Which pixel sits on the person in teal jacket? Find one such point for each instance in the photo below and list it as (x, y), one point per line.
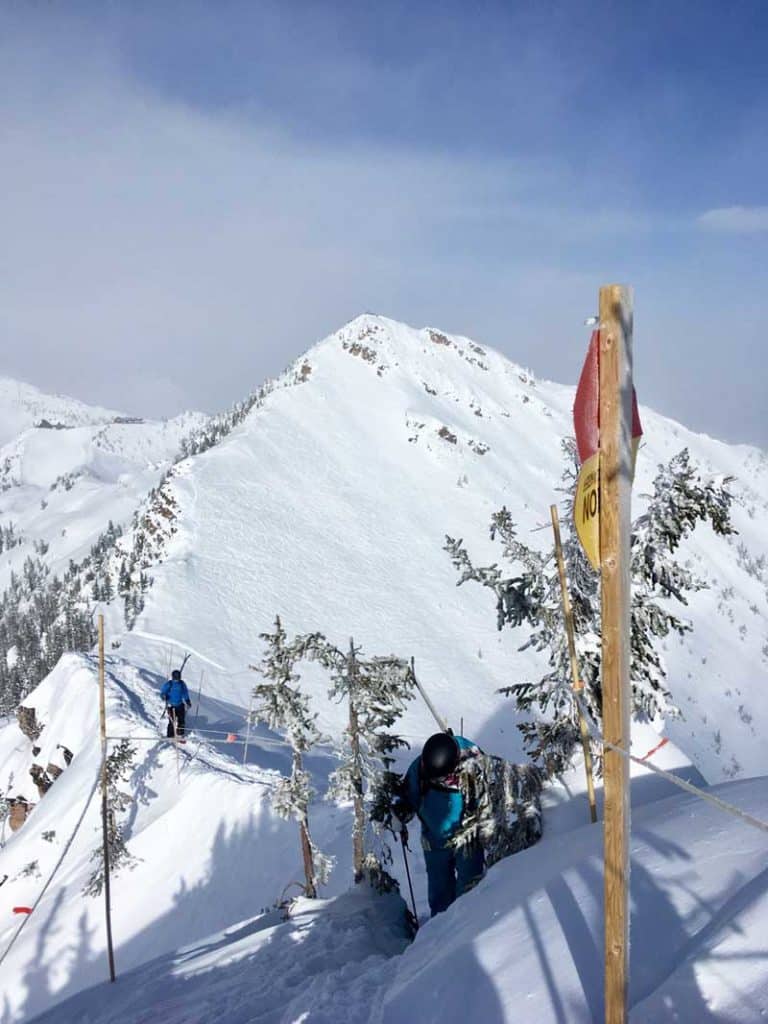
(431, 791)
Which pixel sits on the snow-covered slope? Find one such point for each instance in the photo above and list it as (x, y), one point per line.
(329, 506)
(61, 485)
(23, 406)
(525, 946)
(208, 850)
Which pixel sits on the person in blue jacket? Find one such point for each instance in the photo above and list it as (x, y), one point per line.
(431, 791)
(176, 697)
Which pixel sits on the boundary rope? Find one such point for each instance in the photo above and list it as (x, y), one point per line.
(56, 867)
(722, 805)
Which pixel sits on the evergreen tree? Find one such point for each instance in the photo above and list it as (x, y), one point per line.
(377, 690)
(530, 597)
(119, 765)
(502, 806)
(284, 708)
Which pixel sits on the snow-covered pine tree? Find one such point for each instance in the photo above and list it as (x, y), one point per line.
(682, 498)
(280, 704)
(502, 806)
(377, 690)
(119, 765)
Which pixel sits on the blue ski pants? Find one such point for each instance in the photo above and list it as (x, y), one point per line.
(450, 873)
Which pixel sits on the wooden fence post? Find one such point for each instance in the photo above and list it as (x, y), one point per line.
(104, 810)
(576, 682)
(615, 595)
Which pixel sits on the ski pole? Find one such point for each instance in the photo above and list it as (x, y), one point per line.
(410, 883)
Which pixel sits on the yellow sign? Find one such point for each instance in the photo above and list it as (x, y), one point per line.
(586, 509)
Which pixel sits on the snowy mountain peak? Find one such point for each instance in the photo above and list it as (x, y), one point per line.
(384, 343)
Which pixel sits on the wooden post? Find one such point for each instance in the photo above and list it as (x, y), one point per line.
(576, 682)
(358, 827)
(615, 525)
(104, 811)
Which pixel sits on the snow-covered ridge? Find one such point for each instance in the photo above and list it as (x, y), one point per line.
(328, 503)
(67, 488)
(23, 406)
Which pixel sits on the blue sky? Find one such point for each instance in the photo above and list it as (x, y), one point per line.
(195, 192)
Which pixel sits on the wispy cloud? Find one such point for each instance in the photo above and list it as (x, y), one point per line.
(173, 233)
(736, 220)
(150, 237)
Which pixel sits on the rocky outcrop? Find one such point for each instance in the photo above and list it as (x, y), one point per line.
(19, 811)
(66, 752)
(41, 779)
(28, 723)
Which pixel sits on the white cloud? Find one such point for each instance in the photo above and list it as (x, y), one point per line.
(736, 220)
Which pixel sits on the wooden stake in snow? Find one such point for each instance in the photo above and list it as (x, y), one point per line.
(358, 828)
(615, 490)
(104, 814)
(575, 679)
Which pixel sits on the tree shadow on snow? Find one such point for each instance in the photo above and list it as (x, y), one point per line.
(664, 941)
(239, 863)
(661, 939)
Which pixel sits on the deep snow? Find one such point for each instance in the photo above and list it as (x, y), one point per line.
(524, 946)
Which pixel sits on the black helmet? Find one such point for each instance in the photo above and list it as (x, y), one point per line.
(439, 756)
(175, 674)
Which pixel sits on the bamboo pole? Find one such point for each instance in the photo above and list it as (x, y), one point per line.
(576, 682)
(438, 718)
(615, 492)
(248, 729)
(199, 694)
(104, 811)
(358, 827)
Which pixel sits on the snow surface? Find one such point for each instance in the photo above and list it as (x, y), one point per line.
(242, 857)
(61, 487)
(23, 405)
(524, 946)
(327, 962)
(329, 506)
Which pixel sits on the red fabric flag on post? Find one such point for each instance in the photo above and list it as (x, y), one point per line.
(586, 424)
